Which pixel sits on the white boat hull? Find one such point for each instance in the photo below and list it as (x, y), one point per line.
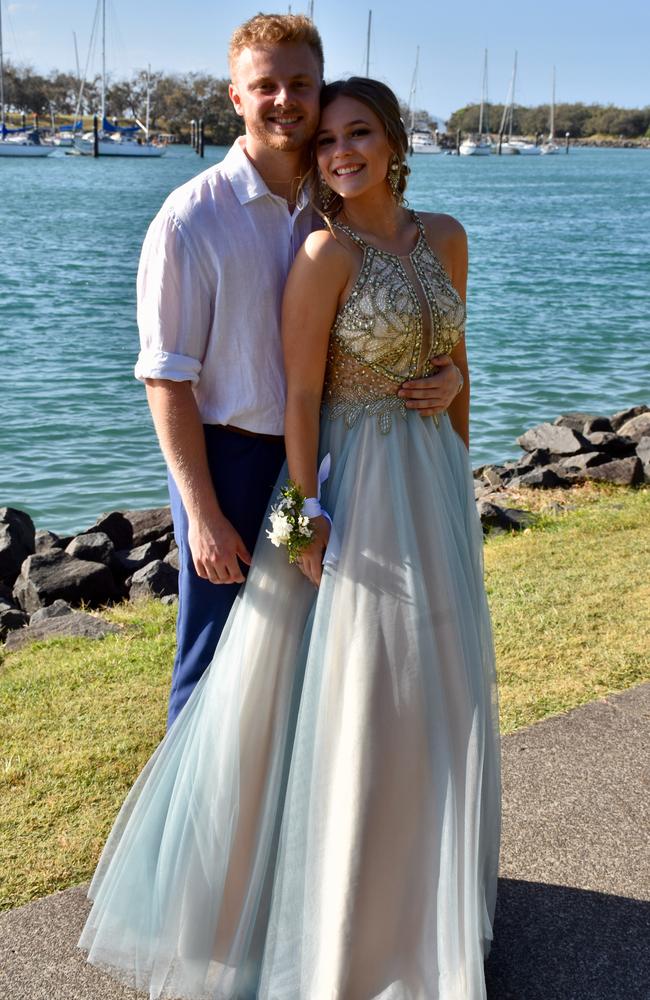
(422, 141)
(471, 149)
(550, 149)
(109, 147)
(520, 149)
(9, 148)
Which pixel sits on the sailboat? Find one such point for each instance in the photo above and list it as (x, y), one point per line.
(518, 147)
(420, 138)
(479, 145)
(112, 139)
(550, 147)
(16, 142)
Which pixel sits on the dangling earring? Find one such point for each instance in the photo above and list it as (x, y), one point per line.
(326, 196)
(394, 176)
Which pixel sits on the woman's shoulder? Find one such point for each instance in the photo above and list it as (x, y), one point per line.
(321, 263)
(322, 242)
(325, 250)
(445, 228)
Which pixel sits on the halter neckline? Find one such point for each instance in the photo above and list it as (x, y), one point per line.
(356, 238)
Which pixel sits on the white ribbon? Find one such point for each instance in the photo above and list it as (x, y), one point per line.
(312, 508)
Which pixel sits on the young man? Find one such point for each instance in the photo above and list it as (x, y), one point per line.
(212, 272)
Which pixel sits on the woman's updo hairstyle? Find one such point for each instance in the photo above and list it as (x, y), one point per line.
(382, 101)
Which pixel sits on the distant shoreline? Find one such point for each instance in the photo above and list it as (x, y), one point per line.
(609, 142)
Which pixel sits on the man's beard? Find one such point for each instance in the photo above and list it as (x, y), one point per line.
(290, 143)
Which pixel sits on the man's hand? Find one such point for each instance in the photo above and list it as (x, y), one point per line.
(216, 550)
(433, 394)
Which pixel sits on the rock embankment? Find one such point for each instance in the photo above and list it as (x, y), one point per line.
(575, 448)
(133, 554)
(44, 576)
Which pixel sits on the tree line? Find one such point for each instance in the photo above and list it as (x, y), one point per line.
(176, 98)
(579, 120)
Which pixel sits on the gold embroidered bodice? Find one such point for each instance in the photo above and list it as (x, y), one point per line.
(401, 313)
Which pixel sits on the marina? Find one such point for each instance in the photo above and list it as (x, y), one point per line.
(557, 309)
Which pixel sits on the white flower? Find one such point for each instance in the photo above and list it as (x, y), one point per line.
(281, 527)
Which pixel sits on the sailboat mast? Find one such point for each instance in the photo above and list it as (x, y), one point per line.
(2, 80)
(368, 43)
(512, 99)
(483, 94)
(103, 108)
(551, 137)
(76, 57)
(414, 85)
(146, 121)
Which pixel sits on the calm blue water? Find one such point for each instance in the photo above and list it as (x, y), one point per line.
(559, 305)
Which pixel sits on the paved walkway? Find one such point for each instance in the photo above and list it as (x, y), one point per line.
(573, 913)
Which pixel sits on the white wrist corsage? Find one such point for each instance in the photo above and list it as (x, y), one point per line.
(291, 516)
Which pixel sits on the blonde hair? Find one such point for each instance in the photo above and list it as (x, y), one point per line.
(276, 29)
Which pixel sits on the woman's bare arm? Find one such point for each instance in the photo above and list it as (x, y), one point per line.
(311, 297)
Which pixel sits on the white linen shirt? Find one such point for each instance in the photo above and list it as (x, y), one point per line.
(212, 272)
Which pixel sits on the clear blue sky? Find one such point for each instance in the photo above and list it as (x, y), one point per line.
(600, 47)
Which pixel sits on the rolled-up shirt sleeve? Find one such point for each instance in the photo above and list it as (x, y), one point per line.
(174, 304)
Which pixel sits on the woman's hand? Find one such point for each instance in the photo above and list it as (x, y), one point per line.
(310, 562)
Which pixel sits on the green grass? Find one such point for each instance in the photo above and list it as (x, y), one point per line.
(79, 719)
(570, 602)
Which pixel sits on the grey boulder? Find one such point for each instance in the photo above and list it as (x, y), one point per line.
(116, 526)
(56, 610)
(149, 524)
(584, 460)
(157, 579)
(616, 445)
(493, 517)
(495, 476)
(618, 419)
(77, 625)
(534, 459)
(128, 561)
(547, 478)
(578, 421)
(491, 514)
(643, 453)
(555, 439)
(172, 558)
(518, 519)
(10, 618)
(51, 575)
(17, 535)
(45, 541)
(621, 472)
(94, 546)
(637, 427)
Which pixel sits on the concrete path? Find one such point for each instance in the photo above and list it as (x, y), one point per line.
(573, 913)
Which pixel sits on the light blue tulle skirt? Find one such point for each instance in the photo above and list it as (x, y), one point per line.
(322, 820)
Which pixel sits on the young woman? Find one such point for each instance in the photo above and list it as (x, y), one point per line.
(322, 821)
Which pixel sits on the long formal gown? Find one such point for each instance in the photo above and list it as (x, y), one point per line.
(322, 820)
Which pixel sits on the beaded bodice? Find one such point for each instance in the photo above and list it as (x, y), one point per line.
(401, 313)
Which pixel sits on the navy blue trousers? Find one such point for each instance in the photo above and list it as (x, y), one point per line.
(244, 471)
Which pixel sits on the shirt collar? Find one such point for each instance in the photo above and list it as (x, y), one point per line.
(246, 182)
